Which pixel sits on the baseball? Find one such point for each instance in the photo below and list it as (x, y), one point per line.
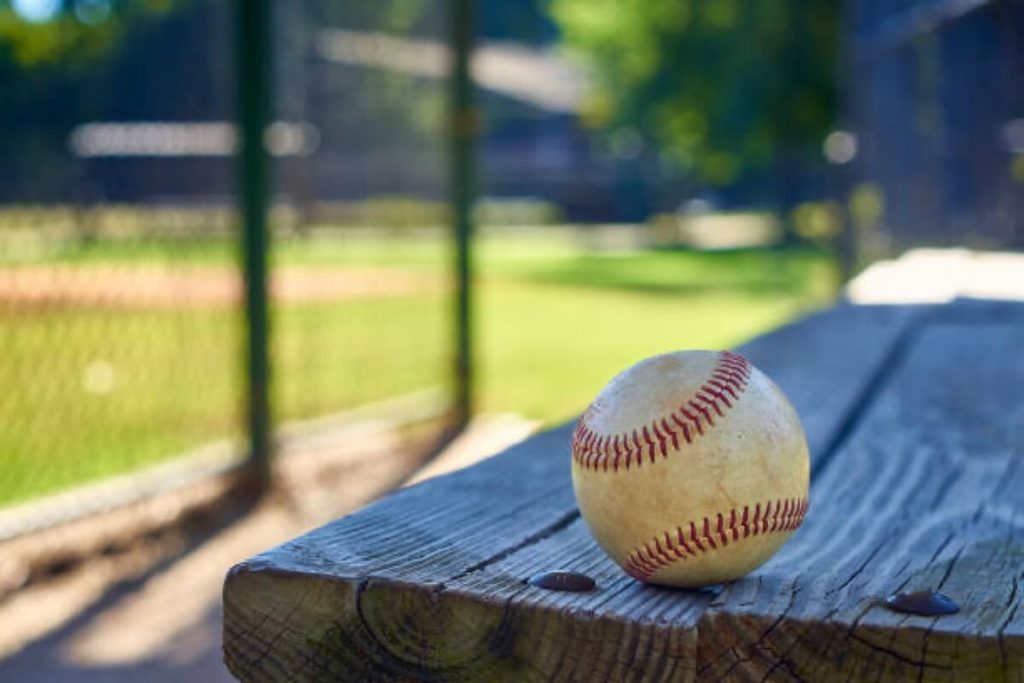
(691, 468)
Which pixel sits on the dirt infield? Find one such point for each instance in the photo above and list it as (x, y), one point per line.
(158, 286)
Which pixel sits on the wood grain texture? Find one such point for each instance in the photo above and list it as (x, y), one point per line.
(429, 583)
(927, 494)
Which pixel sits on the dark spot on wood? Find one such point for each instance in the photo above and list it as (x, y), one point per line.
(925, 603)
(563, 581)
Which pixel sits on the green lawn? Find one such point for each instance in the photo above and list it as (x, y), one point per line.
(89, 392)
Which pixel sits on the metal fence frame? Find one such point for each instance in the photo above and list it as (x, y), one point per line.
(254, 59)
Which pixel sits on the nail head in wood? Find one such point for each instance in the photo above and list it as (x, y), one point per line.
(573, 582)
(924, 603)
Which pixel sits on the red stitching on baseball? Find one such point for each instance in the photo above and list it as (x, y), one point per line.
(649, 558)
(608, 452)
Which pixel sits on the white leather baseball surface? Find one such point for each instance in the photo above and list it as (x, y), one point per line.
(691, 468)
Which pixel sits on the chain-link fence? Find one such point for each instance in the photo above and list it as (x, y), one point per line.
(121, 250)
(120, 283)
(118, 290)
(368, 202)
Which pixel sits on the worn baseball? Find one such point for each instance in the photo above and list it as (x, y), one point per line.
(691, 468)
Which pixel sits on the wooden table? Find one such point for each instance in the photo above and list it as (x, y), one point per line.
(915, 418)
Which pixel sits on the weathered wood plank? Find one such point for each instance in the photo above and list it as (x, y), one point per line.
(311, 595)
(927, 494)
(429, 583)
(830, 364)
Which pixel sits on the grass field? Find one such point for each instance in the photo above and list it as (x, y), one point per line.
(98, 388)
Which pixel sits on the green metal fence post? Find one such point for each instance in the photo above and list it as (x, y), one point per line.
(253, 74)
(463, 130)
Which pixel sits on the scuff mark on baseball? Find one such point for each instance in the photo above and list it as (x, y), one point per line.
(691, 468)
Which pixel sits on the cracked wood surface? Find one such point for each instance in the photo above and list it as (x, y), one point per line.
(926, 494)
(913, 417)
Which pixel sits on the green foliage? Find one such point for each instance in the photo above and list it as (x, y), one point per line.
(74, 38)
(31, 45)
(722, 87)
(818, 222)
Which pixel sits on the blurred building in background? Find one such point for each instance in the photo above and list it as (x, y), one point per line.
(936, 102)
(929, 97)
(364, 91)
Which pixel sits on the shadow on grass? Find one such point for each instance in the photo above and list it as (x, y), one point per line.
(686, 273)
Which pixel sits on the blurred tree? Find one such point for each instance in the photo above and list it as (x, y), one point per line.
(41, 33)
(726, 91)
